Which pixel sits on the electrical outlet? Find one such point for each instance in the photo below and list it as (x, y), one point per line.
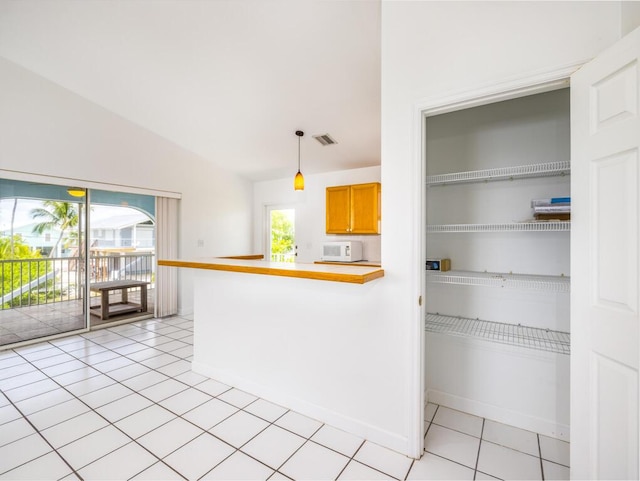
(200, 243)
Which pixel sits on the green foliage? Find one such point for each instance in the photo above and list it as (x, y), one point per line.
(14, 274)
(56, 214)
(20, 248)
(282, 233)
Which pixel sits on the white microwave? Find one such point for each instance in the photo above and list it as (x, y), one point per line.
(344, 251)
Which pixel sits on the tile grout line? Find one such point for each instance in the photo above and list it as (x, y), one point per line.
(409, 470)
(76, 331)
(455, 430)
(271, 423)
(244, 444)
(431, 423)
(97, 343)
(488, 441)
(461, 432)
(178, 415)
(540, 457)
(299, 448)
(161, 460)
(134, 440)
(37, 431)
(157, 403)
(87, 365)
(450, 460)
(42, 436)
(475, 469)
(351, 458)
(97, 413)
(213, 397)
(285, 429)
(307, 440)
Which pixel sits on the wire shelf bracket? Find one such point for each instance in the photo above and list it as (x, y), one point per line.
(512, 334)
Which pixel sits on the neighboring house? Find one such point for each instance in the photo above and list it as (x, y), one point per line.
(108, 230)
(123, 231)
(44, 242)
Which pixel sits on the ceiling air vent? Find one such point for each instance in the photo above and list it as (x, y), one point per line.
(325, 139)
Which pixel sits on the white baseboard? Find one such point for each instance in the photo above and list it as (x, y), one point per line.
(500, 414)
(185, 311)
(354, 426)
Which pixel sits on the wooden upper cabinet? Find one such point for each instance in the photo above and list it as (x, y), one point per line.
(338, 210)
(353, 209)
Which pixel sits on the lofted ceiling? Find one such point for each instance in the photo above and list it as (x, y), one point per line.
(230, 80)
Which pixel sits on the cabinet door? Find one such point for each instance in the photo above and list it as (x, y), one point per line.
(605, 267)
(338, 209)
(365, 208)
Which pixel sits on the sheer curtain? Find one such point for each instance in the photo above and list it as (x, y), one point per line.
(166, 248)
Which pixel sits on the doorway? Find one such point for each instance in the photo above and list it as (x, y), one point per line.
(42, 260)
(281, 234)
(58, 243)
(429, 388)
(122, 251)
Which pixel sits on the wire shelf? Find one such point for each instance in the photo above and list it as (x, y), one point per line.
(511, 334)
(497, 279)
(552, 226)
(547, 169)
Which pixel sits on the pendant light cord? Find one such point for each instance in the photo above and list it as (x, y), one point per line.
(298, 153)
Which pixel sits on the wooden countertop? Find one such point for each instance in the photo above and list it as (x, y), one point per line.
(322, 272)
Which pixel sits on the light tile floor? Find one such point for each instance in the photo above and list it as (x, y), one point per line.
(122, 403)
(33, 322)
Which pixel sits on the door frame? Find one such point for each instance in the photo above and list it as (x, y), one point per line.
(266, 223)
(532, 84)
(89, 185)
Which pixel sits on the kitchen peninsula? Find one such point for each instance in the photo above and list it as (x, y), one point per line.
(298, 335)
(335, 272)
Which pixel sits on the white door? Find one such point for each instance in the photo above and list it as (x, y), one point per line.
(605, 269)
(280, 233)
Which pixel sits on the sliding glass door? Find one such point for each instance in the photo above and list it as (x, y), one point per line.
(42, 260)
(57, 275)
(122, 256)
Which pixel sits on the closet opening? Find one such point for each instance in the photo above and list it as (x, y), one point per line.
(497, 207)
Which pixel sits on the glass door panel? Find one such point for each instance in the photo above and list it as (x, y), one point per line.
(281, 235)
(42, 268)
(122, 256)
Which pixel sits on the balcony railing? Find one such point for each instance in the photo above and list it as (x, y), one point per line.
(29, 282)
(283, 257)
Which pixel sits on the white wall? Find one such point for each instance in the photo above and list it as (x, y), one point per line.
(630, 16)
(47, 130)
(310, 211)
(431, 50)
(328, 356)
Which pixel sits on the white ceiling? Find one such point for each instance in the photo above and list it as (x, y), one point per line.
(230, 80)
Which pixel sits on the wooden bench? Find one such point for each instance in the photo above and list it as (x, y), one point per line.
(106, 310)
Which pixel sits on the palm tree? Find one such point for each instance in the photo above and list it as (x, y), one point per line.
(13, 219)
(60, 215)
